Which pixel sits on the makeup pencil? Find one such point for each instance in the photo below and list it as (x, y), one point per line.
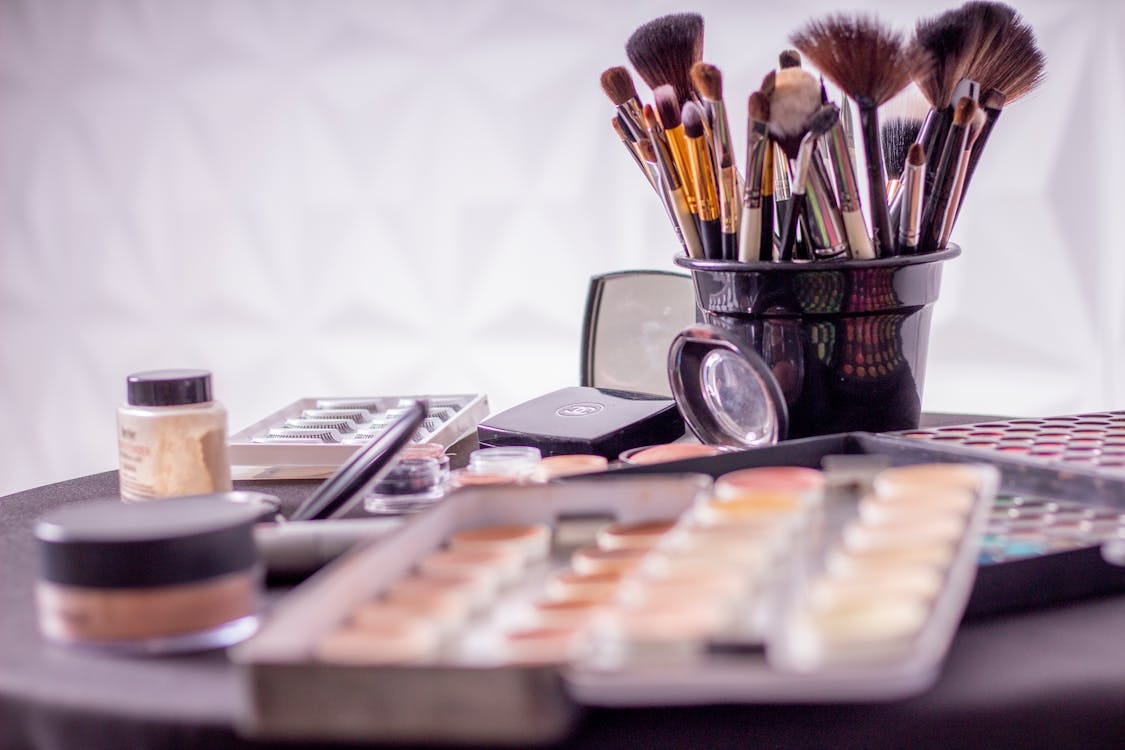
(867, 60)
(663, 50)
(756, 229)
(707, 199)
(708, 81)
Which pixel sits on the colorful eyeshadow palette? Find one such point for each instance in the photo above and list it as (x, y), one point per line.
(1094, 440)
(312, 437)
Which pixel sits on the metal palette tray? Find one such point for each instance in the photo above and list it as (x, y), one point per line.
(292, 696)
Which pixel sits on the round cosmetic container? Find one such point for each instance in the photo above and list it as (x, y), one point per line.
(171, 436)
(150, 578)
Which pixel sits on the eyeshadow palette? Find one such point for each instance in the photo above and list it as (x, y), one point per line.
(519, 604)
(1095, 440)
(312, 437)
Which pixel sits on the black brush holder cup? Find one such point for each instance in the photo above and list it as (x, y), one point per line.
(845, 340)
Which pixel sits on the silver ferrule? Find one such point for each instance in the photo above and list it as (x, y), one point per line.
(910, 220)
(669, 176)
(835, 142)
(781, 187)
(757, 141)
(804, 164)
(633, 118)
(827, 235)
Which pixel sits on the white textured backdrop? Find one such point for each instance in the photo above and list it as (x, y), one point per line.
(356, 198)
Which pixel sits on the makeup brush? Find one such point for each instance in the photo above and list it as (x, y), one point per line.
(618, 86)
(707, 199)
(630, 145)
(913, 184)
(672, 193)
(673, 183)
(896, 134)
(952, 208)
(708, 81)
(756, 229)
(664, 49)
(794, 98)
(813, 128)
(938, 197)
(668, 113)
(867, 61)
(1014, 70)
(789, 58)
(835, 143)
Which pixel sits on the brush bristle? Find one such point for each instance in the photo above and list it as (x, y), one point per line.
(789, 58)
(664, 49)
(866, 59)
(964, 111)
(897, 135)
(759, 106)
(795, 97)
(916, 155)
(646, 150)
(651, 121)
(618, 85)
(667, 106)
(822, 120)
(619, 129)
(939, 54)
(693, 120)
(769, 83)
(1015, 66)
(708, 81)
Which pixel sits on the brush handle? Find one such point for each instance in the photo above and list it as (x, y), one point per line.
(990, 117)
(876, 178)
(938, 196)
(794, 207)
(711, 232)
(909, 227)
(931, 136)
(827, 234)
(686, 223)
(766, 239)
(750, 233)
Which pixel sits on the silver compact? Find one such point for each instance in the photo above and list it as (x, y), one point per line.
(726, 392)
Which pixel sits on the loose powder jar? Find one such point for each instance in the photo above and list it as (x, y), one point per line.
(172, 436)
(178, 575)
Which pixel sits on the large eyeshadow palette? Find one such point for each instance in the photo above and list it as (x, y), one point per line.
(311, 437)
(1095, 440)
(518, 604)
(1021, 526)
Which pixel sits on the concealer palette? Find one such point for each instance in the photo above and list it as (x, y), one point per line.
(311, 437)
(521, 603)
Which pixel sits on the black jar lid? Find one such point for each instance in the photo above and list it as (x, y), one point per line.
(111, 544)
(169, 387)
(726, 392)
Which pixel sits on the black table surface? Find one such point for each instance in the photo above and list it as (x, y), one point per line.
(1050, 678)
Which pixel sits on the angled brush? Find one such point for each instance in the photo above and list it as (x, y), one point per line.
(663, 50)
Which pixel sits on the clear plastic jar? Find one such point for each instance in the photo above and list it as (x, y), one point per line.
(171, 436)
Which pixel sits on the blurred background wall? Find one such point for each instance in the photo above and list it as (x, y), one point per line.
(360, 197)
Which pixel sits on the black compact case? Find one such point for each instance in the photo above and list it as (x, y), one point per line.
(585, 420)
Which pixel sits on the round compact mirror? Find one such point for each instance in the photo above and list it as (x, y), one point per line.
(725, 390)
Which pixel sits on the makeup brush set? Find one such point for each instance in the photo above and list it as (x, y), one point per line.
(799, 197)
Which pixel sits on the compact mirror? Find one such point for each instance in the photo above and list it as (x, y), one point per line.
(631, 318)
(726, 392)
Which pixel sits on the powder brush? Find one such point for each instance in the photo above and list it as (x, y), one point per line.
(708, 81)
(867, 61)
(663, 50)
